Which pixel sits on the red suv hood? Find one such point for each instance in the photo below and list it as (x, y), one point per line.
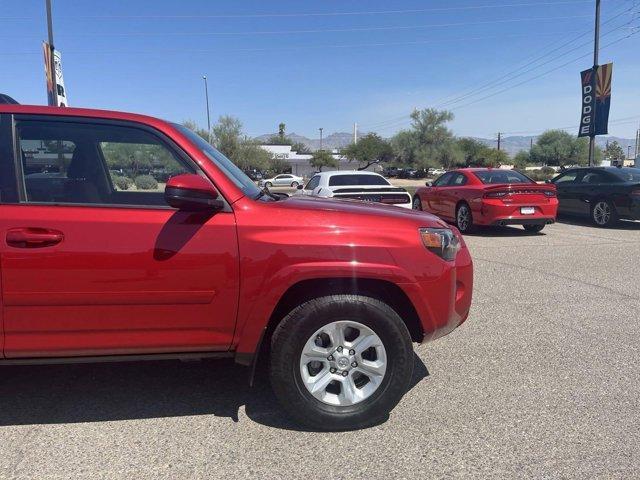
(360, 208)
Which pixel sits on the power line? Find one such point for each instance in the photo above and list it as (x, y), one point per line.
(319, 30)
(317, 14)
(392, 122)
(540, 75)
(270, 49)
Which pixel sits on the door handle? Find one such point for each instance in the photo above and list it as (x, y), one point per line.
(32, 237)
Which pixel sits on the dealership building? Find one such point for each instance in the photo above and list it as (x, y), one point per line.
(300, 161)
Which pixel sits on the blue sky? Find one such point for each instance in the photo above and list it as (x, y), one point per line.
(327, 64)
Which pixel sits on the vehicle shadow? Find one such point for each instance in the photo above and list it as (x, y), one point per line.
(506, 231)
(585, 222)
(59, 394)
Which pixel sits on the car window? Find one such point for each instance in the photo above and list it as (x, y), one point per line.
(458, 179)
(596, 177)
(566, 177)
(628, 174)
(344, 180)
(490, 177)
(443, 180)
(313, 183)
(95, 163)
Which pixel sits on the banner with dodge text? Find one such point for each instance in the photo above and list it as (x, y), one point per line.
(596, 100)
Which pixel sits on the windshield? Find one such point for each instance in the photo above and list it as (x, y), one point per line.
(344, 180)
(232, 172)
(501, 176)
(627, 174)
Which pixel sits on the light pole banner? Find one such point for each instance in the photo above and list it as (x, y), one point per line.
(603, 98)
(46, 51)
(596, 100)
(587, 120)
(54, 79)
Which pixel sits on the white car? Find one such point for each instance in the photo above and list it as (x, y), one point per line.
(356, 185)
(284, 180)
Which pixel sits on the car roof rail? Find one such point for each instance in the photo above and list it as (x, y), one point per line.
(7, 99)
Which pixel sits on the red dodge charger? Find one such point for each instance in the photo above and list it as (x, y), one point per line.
(488, 196)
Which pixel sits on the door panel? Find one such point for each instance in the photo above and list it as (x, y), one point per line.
(121, 281)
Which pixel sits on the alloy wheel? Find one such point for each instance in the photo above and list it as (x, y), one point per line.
(343, 363)
(602, 213)
(463, 218)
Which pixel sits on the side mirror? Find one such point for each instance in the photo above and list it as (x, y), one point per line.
(192, 192)
(428, 183)
(300, 187)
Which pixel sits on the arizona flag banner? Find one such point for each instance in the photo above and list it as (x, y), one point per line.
(596, 100)
(603, 98)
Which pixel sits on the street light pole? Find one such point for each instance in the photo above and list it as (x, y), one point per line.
(52, 61)
(320, 137)
(206, 96)
(596, 48)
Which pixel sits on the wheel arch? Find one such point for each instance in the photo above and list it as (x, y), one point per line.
(305, 290)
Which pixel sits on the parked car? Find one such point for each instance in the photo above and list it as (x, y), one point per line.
(391, 172)
(436, 172)
(356, 185)
(283, 180)
(487, 196)
(329, 294)
(604, 194)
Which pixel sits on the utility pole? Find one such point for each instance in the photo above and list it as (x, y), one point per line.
(629, 152)
(596, 48)
(51, 51)
(320, 137)
(637, 152)
(206, 96)
(355, 132)
(530, 143)
(499, 140)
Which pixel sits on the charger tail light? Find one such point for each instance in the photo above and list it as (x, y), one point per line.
(636, 192)
(496, 194)
(441, 241)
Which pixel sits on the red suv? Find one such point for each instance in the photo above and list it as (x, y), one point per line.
(125, 236)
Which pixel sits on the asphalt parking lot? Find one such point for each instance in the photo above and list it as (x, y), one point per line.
(541, 382)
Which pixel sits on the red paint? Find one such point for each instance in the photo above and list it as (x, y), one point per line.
(146, 280)
(486, 208)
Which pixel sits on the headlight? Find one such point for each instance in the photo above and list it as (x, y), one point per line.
(441, 241)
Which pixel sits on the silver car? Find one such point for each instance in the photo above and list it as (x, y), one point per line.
(283, 180)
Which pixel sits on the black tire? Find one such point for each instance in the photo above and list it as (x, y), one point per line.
(534, 228)
(603, 213)
(417, 203)
(296, 329)
(294, 184)
(464, 227)
(268, 184)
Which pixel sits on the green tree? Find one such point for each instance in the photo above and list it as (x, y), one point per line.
(428, 143)
(281, 138)
(557, 147)
(300, 147)
(614, 152)
(370, 149)
(278, 165)
(474, 151)
(521, 159)
(494, 158)
(322, 158)
(227, 135)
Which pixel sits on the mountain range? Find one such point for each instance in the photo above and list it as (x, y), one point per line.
(511, 145)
